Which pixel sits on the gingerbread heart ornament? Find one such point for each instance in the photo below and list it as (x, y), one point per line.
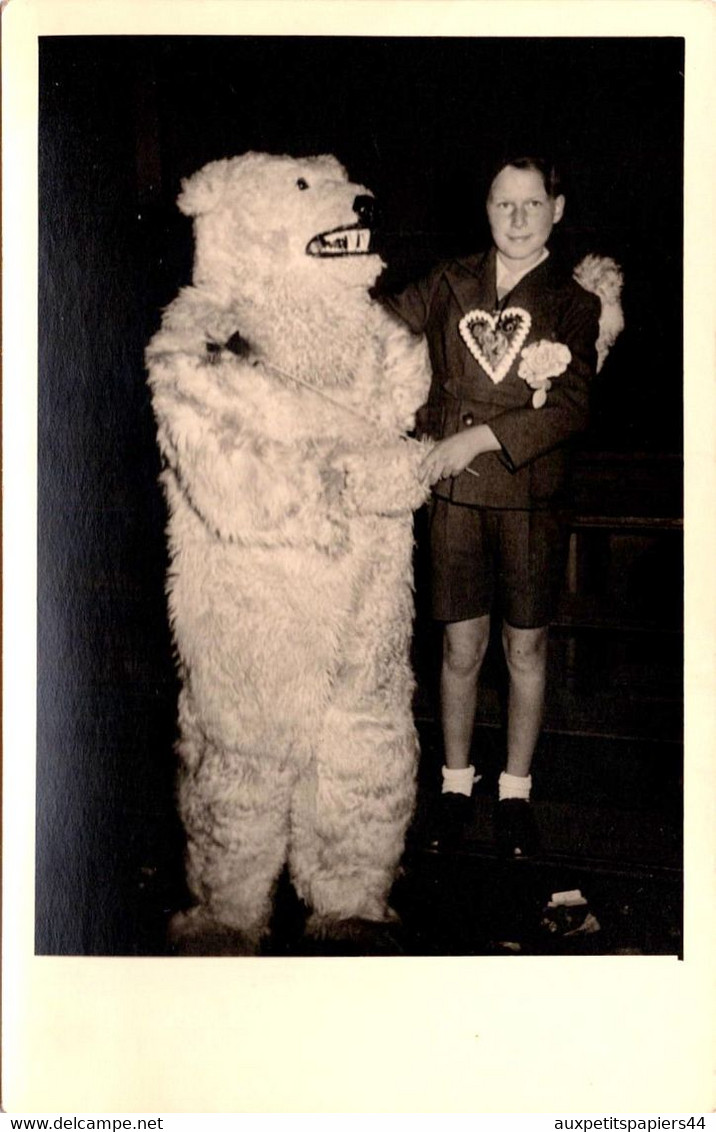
(494, 340)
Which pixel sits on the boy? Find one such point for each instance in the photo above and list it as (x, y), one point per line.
(512, 342)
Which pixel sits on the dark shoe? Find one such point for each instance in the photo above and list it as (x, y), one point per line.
(516, 829)
(453, 813)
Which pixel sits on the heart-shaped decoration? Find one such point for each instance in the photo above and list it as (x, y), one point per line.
(494, 340)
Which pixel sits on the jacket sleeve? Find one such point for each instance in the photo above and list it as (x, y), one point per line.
(527, 433)
(412, 305)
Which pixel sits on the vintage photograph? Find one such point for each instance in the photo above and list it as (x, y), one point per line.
(360, 569)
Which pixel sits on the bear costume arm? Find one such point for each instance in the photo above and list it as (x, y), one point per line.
(246, 489)
(385, 481)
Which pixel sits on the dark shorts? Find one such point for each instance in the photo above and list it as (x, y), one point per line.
(483, 556)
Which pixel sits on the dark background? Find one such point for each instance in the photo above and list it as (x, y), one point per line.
(420, 121)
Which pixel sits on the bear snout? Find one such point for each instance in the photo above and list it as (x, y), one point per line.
(365, 209)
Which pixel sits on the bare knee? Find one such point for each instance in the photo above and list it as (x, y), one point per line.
(525, 649)
(464, 646)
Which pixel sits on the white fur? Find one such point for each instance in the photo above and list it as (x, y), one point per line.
(290, 484)
(603, 277)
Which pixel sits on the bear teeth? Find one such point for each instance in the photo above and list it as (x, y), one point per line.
(341, 241)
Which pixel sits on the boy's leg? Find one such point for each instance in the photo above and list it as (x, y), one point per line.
(462, 553)
(532, 559)
(464, 647)
(526, 657)
(462, 560)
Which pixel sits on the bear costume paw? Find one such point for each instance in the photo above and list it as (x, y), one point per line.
(196, 933)
(387, 482)
(327, 937)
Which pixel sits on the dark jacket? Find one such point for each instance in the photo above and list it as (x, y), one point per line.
(531, 469)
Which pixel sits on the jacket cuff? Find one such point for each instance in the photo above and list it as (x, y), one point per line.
(509, 430)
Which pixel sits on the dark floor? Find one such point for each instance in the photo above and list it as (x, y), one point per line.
(607, 796)
(603, 832)
(609, 814)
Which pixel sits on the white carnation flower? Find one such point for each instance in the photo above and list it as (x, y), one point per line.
(541, 361)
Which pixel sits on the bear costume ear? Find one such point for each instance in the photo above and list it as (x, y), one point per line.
(203, 191)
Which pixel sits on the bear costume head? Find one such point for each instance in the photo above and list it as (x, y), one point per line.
(276, 217)
(283, 254)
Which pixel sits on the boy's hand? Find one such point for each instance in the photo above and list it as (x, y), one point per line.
(451, 456)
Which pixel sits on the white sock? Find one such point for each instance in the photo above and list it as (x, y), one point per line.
(514, 786)
(459, 780)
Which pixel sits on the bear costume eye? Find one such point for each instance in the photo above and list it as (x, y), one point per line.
(301, 184)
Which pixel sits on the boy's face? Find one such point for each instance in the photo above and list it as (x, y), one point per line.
(521, 214)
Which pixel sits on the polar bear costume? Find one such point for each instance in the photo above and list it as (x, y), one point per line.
(283, 396)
